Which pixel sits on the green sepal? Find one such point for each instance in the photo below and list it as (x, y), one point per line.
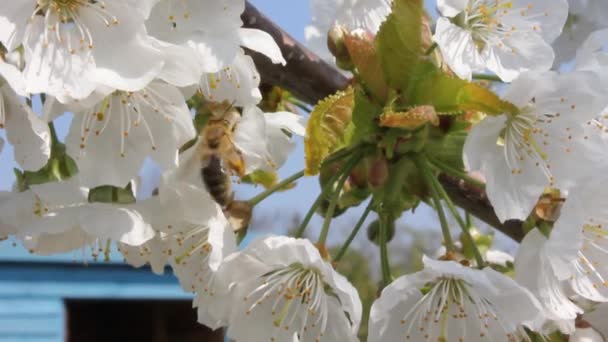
(396, 196)
(353, 197)
(447, 148)
(267, 179)
(482, 241)
(112, 194)
(58, 168)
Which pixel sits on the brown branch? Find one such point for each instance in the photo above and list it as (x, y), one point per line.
(311, 79)
(306, 76)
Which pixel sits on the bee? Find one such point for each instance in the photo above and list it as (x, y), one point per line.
(217, 139)
(218, 182)
(220, 158)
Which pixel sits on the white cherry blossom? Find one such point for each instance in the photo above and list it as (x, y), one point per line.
(70, 46)
(535, 271)
(57, 217)
(587, 334)
(261, 138)
(29, 135)
(350, 14)
(545, 144)
(581, 239)
(585, 17)
(237, 83)
(458, 304)
(283, 290)
(507, 37)
(124, 128)
(193, 236)
(592, 55)
(208, 34)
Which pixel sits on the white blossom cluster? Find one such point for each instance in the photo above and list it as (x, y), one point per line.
(125, 69)
(558, 141)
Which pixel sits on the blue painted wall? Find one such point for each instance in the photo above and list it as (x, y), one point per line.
(32, 294)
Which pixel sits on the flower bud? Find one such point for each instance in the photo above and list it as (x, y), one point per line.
(373, 232)
(377, 172)
(337, 47)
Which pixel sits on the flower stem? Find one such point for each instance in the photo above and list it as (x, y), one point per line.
(300, 104)
(486, 77)
(338, 155)
(354, 233)
(334, 199)
(384, 262)
(259, 198)
(463, 225)
(452, 171)
(324, 192)
(436, 198)
(309, 214)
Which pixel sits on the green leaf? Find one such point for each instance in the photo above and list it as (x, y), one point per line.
(325, 132)
(451, 95)
(363, 126)
(399, 42)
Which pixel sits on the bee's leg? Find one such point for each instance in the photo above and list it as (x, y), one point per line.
(237, 164)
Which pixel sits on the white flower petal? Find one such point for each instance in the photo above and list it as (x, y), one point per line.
(518, 53)
(579, 240)
(250, 139)
(13, 16)
(458, 48)
(280, 145)
(451, 8)
(182, 67)
(13, 77)
(208, 27)
(124, 129)
(461, 304)
(51, 68)
(127, 42)
(237, 83)
(122, 224)
(266, 313)
(534, 271)
(48, 244)
(367, 15)
(263, 43)
(543, 17)
(586, 335)
(29, 135)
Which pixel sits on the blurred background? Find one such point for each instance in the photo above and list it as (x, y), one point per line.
(75, 298)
